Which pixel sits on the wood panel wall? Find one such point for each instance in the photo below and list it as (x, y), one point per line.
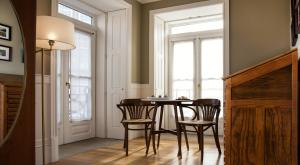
(20, 146)
(11, 90)
(261, 113)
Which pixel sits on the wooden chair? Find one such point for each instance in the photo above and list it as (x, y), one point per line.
(135, 112)
(206, 116)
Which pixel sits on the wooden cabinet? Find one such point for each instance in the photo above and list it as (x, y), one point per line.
(261, 113)
(11, 87)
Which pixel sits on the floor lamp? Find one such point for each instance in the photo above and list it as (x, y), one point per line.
(52, 33)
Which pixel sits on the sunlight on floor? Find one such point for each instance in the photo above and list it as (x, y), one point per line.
(167, 154)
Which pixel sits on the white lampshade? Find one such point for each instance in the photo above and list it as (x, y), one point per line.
(59, 30)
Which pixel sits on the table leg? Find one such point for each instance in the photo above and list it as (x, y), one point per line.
(160, 123)
(178, 131)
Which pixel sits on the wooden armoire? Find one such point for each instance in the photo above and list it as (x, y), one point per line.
(261, 113)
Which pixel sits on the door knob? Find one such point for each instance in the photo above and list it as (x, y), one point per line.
(68, 84)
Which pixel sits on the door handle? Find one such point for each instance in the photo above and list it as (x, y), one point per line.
(68, 84)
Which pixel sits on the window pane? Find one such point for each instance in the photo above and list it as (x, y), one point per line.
(183, 60)
(62, 9)
(212, 58)
(214, 24)
(183, 88)
(212, 84)
(80, 78)
(183, 69)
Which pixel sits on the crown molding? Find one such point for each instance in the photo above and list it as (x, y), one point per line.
(147, 1)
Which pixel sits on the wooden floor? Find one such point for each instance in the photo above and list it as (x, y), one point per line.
(166, 155)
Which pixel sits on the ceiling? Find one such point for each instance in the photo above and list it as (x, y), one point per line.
(106, 5)
(147, 1)
(192, 12)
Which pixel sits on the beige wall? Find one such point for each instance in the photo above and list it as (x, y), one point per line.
(8, 17)
(259, 29)
(136, 41)
(43, 8)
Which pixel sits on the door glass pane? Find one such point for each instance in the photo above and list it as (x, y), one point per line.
(80, 78)
(212, 69)
(183, 69)
(212, 58)
(183, 72)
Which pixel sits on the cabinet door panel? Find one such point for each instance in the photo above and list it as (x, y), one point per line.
(278, 136)
(243, 135)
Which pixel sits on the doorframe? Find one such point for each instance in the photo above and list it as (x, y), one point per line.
(100, 76)
(153, 13)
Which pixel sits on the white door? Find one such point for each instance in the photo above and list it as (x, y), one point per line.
(196, 71)
(116, 71)
(77, 83)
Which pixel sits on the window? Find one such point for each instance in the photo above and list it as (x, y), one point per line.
(204, 24)
(67, 11)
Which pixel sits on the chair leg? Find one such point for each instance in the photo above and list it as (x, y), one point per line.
(179, 141)
(146, 133)
(151, 135)
(216, 135)
(184, 129)
(198, 137)
(124, 143)
(148, 142)
(201, 142)
(153, 142)
(126, 138)
(186, 137)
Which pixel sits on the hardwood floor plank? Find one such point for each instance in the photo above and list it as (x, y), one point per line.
(166, 155)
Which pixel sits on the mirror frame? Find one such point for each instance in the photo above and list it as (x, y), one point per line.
(19, 148)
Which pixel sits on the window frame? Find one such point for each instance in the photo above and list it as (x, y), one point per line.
(77, 10)
(91, 28)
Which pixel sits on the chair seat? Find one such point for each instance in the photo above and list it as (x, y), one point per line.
(197, 122)
(137, 121)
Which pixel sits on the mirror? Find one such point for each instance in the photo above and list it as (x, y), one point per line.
(11, 68)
